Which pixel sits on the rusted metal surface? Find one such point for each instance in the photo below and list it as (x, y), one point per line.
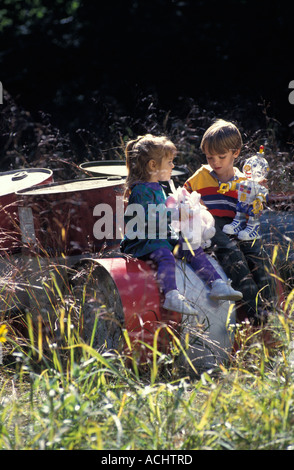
(10, 183)
(63, 215)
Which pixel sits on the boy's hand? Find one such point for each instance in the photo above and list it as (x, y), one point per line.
(224, 188)
(264, 183)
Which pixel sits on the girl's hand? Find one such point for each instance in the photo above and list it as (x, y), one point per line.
(184, 212)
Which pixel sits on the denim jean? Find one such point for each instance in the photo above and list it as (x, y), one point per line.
(166, 265)
(245, 263)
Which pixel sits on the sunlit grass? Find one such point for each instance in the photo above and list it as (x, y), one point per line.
(73, 397)
(58, 392)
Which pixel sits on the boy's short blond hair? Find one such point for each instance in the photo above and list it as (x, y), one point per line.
(221, 137)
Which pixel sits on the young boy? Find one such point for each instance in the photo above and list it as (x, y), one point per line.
(243, 262)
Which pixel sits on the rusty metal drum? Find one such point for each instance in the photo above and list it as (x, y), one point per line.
(105, 168)
(73, 217)
(147, 324)
(118, 168)
(10, 183)
(206, 339)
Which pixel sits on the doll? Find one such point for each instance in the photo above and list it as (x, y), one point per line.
(197, 223)
(251, 196)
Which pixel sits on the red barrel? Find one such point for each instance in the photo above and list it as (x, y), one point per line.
(10, 183)
(74, 217)
(144, 318)
(150, 326)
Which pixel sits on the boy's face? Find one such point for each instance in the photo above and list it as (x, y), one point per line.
(223, 164)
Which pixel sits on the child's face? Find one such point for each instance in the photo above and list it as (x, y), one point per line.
(162, 171)
(223, 164)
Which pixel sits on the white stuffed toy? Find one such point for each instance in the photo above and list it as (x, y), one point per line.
(196, 223)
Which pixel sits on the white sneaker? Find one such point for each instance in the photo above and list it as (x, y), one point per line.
(222, 290)
(177, 303)
(234, 227)
(250, 232)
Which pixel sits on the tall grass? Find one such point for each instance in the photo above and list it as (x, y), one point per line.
(67, 395)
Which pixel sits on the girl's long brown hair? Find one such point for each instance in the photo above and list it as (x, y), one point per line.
(140, 151)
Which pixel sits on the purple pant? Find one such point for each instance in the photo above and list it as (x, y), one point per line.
(166, 266)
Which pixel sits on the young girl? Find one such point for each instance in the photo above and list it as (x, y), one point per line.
(149, 159)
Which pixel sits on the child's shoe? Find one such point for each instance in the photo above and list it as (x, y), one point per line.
(251, 232)
(234, 227)
(177, 303)
(222, 290)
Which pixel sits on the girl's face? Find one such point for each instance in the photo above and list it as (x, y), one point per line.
(223, 164)
(161, 171)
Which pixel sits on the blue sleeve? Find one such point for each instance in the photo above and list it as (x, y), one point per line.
(156, 215)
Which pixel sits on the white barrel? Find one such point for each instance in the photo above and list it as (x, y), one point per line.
(116, 168)
(213, 344)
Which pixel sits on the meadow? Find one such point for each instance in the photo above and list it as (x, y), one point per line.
(73, 397)
(66, 394)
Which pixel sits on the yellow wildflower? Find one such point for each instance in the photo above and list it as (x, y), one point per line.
(3, 333)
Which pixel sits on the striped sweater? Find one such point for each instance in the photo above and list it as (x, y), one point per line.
(205, 182)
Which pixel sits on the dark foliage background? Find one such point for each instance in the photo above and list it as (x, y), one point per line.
(80, 77)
